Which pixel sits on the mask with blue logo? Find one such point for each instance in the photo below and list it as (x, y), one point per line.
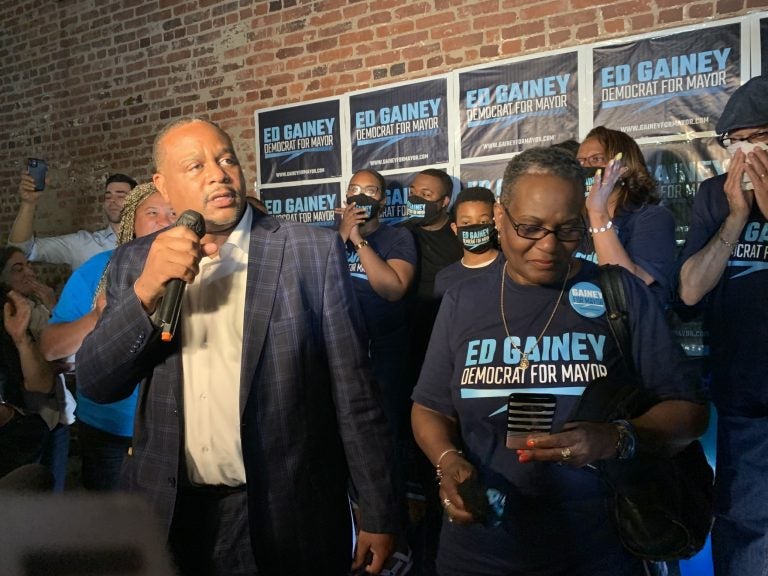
(477, 238)
(423, 211)
(371, 205)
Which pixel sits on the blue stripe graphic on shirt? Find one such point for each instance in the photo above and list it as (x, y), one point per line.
(751, 267)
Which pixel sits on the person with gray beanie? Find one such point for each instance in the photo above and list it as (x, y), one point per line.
(725, 268)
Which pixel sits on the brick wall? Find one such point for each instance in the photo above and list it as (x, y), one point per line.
(87, 83)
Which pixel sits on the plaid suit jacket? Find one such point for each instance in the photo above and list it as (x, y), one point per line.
(310, 416)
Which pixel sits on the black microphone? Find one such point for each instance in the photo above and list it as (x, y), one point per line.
(170, 306)
(28, 478)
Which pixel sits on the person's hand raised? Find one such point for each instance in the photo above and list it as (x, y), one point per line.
(604, 183)
(351, 218)
(17, 313)
(27, 191)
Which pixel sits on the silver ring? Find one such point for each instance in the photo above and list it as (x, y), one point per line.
(447, 502)
(450, 519)
(566, 453)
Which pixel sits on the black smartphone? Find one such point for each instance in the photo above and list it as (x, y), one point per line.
(37, 168)
(528, 413)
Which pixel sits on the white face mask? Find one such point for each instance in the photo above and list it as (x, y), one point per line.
(746, 148)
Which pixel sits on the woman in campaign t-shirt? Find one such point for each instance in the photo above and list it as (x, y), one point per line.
(539, 328)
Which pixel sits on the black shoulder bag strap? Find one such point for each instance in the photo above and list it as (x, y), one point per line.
(616, 311)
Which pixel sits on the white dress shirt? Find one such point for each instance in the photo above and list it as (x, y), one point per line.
(212, 347)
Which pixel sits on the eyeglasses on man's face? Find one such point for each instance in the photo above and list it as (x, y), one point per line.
(355, 189)
(759, 136)
(594, 161)
(533, 232)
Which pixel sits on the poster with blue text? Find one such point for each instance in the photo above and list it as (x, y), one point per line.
(680, 168)
(505, 109)
(668, 85)
(485, 174)
(299, 142)
(400, 127)
(309, 203)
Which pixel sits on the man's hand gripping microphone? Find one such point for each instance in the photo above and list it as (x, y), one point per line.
(170, 306)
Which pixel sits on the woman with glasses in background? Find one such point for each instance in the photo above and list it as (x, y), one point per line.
(382, 263)
(627, 227)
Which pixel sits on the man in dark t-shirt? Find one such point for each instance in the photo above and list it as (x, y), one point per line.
(429, 197)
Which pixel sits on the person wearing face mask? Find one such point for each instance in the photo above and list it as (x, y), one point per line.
(382, 264)
(627, 227)
(429, 197)
(475, 230)
(724, 266)
(381, 257)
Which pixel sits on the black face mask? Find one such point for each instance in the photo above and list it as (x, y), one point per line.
(590, 177)
(371, 205)
(422, 211)
(477, 238)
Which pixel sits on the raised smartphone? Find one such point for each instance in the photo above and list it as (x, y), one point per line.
(37, 168)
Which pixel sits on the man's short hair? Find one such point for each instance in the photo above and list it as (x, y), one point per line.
(473, 194)
(157, 158)
(445, 179)
(120, 178)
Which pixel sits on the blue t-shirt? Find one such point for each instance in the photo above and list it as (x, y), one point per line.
(647, 233)
(75, 302)
(457, 272)
(737, 313)
(381, 316)
(470, 371)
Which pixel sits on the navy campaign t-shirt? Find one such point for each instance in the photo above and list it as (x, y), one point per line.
(737, 313)
(381, 316)
(647, 233)
(470, 370)
(457, 272)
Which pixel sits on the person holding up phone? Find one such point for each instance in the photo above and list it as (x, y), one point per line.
(75, 248)
(513, 352)
(627, 226)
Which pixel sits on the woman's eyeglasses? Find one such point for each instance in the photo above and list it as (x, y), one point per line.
(355, 189)
(596, 160)
(532, 232)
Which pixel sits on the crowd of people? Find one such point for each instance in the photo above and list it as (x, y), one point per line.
(319, 376)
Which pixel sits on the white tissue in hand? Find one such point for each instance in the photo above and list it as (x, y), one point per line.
(746, 147)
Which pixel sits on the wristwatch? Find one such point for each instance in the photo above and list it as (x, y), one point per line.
(627, 442)
(360, 244)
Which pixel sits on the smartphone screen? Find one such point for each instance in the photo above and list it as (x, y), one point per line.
(528, 414)
(37, 169)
